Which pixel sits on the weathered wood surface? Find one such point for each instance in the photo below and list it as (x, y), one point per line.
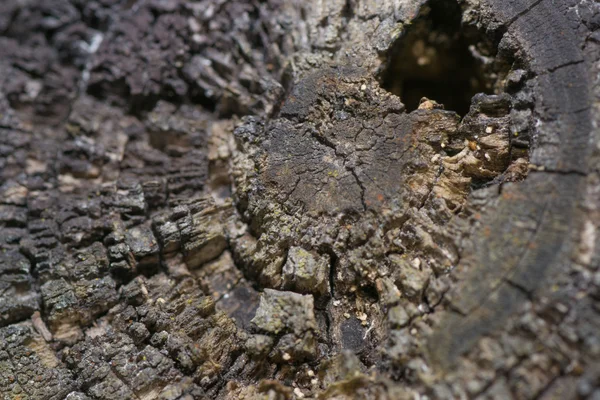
(220, 199)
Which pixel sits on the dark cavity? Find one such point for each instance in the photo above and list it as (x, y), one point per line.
(441, 58)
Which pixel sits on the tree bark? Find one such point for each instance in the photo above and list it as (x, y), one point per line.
(246, 199)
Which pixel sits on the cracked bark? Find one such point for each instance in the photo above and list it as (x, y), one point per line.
(229, 200)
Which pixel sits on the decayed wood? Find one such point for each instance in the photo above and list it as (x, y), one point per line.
(229, 200)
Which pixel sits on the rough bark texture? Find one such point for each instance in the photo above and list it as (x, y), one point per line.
(228, 200)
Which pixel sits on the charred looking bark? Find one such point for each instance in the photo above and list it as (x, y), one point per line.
(277, 199)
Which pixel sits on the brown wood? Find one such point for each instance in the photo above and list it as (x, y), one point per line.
(245, 199)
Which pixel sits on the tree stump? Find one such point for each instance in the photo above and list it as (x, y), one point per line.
(283, 199)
